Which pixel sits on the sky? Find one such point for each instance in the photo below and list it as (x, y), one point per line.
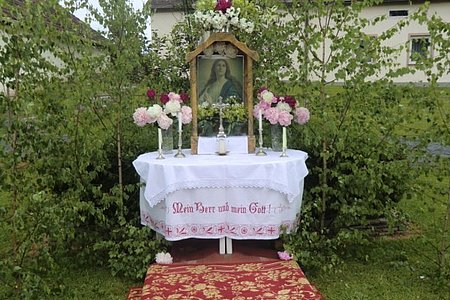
(81, 14)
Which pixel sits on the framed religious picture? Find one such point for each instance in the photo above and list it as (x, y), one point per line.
(219, 76)
(221, 79)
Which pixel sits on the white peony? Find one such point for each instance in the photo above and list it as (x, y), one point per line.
(267, 96)
(283, 106)
(172, 107)
(155, 111)
(164, 258)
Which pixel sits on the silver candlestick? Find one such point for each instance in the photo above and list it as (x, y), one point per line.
(160, 156)
(180, 153)
(261, 152)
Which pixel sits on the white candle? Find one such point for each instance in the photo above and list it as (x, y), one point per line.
(222, 148)
(159, 139)
(179, 123)
(260, 120)
(284, 138)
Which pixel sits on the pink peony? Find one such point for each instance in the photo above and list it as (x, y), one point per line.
(284, 255)
(258, 107)
(271, 114)
(174, 96)
(284, 118)
(151, 93)
(141, 116)
(223, 5)
(302, 115)
(186, 114)
(164, 121)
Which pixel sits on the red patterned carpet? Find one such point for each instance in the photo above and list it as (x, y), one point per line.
(283, 280)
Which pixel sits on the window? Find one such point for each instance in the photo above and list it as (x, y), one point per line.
(398, 13)
(419, 47)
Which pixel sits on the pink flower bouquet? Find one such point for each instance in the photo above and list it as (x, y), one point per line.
(172, 105)
(279, 109)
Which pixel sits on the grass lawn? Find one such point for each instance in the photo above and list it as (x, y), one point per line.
(395, 267)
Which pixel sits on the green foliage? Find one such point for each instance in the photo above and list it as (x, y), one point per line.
(131, 250)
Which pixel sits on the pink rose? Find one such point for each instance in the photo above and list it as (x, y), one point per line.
(284, 118)
(164, 121)
(302, 115)
(186, 114)
(141, 117)
(284, 255)
(151, 93)
(271, 114)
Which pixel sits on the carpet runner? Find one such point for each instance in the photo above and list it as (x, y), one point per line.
(282, 280)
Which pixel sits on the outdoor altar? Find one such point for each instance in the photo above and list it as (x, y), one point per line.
(237, 196)
(224, 187)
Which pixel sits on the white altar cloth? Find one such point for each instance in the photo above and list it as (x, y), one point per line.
(240, 196)
(166, 176)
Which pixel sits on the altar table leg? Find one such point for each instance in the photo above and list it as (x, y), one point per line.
(222, 245)
(229, 245)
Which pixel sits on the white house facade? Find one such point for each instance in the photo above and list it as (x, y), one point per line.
(166, 13)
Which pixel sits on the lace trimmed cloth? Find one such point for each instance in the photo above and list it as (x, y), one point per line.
(165, 176)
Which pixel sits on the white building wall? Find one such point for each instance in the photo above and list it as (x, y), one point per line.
(402, 38)
(163, 22)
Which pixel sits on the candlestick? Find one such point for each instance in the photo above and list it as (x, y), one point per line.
(260, 152)
(284, 147)
(180, 153)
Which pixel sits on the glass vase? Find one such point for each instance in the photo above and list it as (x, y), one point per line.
(276, 134)
(167, 140)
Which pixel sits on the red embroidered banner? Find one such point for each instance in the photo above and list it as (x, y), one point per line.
(264, 280)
